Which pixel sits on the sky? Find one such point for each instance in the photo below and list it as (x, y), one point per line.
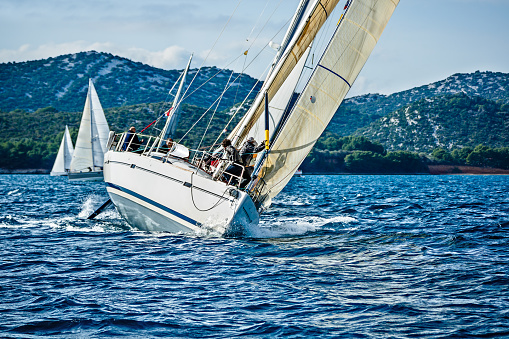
(425, 40)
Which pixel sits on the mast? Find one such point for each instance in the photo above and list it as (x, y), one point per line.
(296, 20)
(172, 120)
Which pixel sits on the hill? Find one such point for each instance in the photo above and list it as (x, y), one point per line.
(462, 110)
(62, 83)
(360, 111)
(449, 121)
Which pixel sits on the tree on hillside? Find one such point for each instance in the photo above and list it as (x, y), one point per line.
(442, 155)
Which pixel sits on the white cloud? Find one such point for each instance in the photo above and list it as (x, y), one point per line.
(173, 57)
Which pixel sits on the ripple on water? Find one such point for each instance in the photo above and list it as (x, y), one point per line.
(352, 256)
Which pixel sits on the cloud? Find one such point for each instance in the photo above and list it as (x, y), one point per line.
(173, 57)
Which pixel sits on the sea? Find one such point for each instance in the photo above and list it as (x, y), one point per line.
(345, 256)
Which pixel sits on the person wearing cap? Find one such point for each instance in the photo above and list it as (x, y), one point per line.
(249, 149)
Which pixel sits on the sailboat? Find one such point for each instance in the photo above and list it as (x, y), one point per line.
(176, 192)
(62, 163)
(87, 160)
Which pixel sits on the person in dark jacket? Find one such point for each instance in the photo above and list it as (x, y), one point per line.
(167, 146)
(248, 150)
(135, 143)
(235, 168)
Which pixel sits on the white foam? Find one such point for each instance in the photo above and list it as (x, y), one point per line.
(288, 227)
(213, 227)
(91, 203)
(14, 193)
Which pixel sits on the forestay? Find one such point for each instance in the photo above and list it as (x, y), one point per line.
(343, 59)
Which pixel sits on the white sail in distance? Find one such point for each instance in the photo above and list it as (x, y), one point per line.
(92, 135)
(62, 163)
(342, 61)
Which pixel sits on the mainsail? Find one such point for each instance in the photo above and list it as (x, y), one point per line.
(92, 135)
(65, 151)
(350, 46)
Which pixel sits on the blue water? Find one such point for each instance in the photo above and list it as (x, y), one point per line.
(336, 256)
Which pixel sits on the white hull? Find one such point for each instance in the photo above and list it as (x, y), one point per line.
(58, 174)
(85, 176)
(173, 196)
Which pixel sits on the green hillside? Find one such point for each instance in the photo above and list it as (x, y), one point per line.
(451, 121)
(31, 139)
(360, 111)
(62, 82)
(38, 98)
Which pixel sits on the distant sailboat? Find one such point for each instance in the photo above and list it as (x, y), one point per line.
(88, 158)
(62, 163)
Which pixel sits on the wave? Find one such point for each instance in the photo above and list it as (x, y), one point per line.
(295, 226)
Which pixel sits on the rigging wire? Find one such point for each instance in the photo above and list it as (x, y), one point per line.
(212, 48)
(215, 110)
(242, 72)
(238, 109)
(257, 20)
(336, 62)
(185, 96)
(208, 109)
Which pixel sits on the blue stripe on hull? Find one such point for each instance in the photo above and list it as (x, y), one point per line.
(154, 203)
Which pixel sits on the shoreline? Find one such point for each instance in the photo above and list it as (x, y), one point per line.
(472, 170)
(25, 171)
(433, 170)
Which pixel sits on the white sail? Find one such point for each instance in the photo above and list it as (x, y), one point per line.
(331, 80)
(62, 163)
(279, 102)
(92, 135)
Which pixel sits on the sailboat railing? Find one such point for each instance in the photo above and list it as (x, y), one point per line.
(209, 162)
